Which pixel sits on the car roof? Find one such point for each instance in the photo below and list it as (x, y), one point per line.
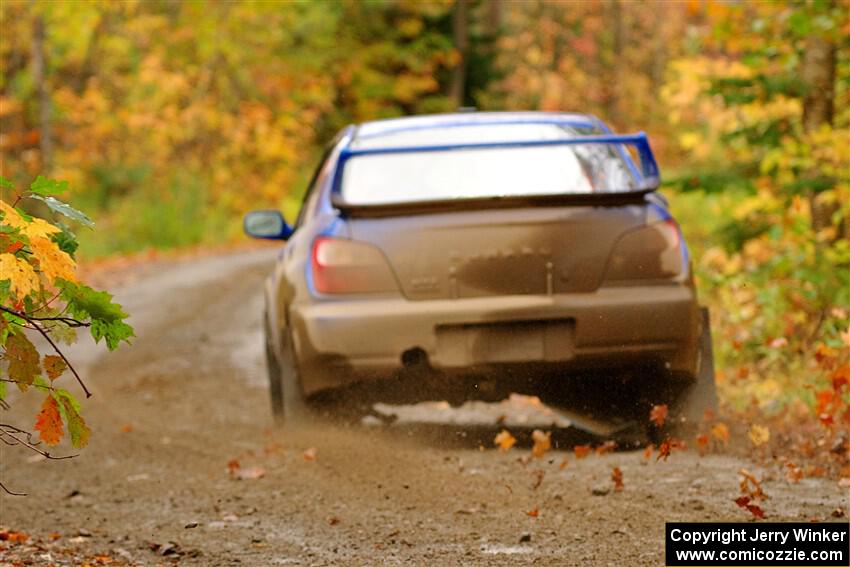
(378, 128)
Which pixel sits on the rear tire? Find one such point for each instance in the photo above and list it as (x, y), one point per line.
(287, 399)
(701, 394)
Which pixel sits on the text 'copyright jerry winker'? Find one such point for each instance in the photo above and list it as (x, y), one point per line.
(763, 544)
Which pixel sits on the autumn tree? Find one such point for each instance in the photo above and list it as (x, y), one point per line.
(42, 305)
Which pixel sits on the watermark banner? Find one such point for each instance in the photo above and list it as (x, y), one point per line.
(762, 544)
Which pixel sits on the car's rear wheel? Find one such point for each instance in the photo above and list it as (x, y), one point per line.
(287, 399)
(690, 405)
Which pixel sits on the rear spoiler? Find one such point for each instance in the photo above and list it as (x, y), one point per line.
(648, 175)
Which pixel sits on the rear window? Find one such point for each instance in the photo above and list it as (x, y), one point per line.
(482, 173)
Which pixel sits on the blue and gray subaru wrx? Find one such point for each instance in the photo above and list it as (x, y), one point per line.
(471, 255)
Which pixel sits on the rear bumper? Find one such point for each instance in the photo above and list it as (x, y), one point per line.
(344, 341)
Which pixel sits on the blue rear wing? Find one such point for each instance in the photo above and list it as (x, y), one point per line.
(648, 176)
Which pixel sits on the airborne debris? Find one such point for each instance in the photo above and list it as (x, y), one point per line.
(658, 415)
(542, 443)
(504, 440)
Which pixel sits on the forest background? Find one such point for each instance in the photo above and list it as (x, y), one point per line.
(171, 118)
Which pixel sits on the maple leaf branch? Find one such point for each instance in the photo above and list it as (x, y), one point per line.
(33, 324)
(38, 387)
(71, 322)
(47, 303)
(9, 492)
(9, 434)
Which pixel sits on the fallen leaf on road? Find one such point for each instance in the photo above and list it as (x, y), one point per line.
(310, 454)
(755, 511)
(504, 440)
(333, 520)
(533, 513)
(647, 453)
(542, 443)
(19, 537)
(249, 473)
(539, 474)
(617, 477)
(564, 463)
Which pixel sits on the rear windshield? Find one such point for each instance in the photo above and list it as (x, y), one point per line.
(482, 173)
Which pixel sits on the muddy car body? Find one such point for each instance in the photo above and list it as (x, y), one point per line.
(512, 250)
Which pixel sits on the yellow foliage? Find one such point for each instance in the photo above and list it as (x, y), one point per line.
(759, 435)
(20, 274)
(33, 228)
(53, 262)
(11, 216)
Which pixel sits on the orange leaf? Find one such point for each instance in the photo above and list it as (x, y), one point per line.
(841, 377)
(702, 443)
(542, 443)
(48, 423)
(606, 447)
(617, 477)
(742, 501)
(825, 355)
(581, 451)
(310, 454)
(755, 511)
(658, 415)
(564, 464)
(647, 453)
(667, 447)
(533, 513)
(504, 440)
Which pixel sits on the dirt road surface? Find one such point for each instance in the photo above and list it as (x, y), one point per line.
(188, 396)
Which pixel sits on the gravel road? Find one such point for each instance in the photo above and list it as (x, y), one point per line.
(188, 397)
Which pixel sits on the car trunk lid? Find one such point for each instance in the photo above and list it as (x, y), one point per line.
(512, 251)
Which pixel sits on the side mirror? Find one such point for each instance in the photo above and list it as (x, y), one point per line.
(266, 224)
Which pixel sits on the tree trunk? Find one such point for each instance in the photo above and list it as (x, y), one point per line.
(460, 34)
(494, 17)
(39, 75)
(615, 85)
(818, 109)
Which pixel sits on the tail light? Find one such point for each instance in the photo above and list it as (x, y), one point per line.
(650, 252)
(346, 266)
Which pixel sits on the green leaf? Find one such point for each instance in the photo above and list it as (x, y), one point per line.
(106, 317)
(69, 409)
(5, 183)
(800, 23)
(66, 240)
(63, 333)
(65, 209)
(43, 186)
